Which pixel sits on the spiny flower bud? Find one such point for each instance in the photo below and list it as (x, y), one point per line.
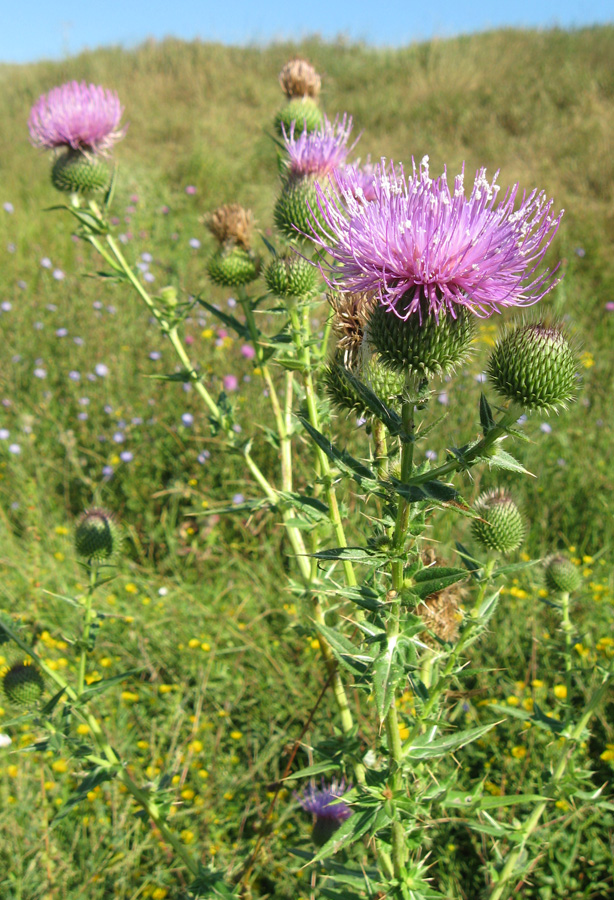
(339, 389)
(421, 345)
(22, 683)
(298, 78)
(534, 366)
(79, 173)
(98, 536)
(233, 265)
(384, 383)
(289, 275)
(231, 222)
(501, 527)
(296, 210)
(562, 575)
(304, 112)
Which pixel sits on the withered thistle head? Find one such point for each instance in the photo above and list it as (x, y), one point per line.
(231, 223)
(350, 315)
(440, 611)
(298, 78)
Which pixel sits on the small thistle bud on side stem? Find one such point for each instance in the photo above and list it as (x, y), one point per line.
(500, 526)
(22, 683)
(98, 537)
(561, 575)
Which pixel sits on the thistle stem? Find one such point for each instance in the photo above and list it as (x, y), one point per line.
(87, 622)
(568, 631)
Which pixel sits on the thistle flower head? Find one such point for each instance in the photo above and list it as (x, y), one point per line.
(436, 249)
(324, 802)
(22, 683)
(298, 78)
(562, 575)
(361, 179)
(77, 115)
(98, 536)
(350, 315)
(500, 526)
(318, 153)
(231, 222)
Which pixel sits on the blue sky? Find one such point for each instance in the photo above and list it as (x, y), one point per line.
(39, 29)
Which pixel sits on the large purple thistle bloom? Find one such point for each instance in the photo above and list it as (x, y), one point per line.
(81, 116)
(324, 802)
(318, 152)
(418, 246)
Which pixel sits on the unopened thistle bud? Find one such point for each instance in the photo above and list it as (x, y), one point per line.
(421, 345)
(22, 683)
(303, 112)
(562, 575)
(79, 173)
(500, 526)
(98, 536)
(289, 275)
(296, 211)
(534, 365)
(233, 266)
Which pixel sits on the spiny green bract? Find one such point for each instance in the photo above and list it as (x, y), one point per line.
(98, 536)
(535, 366)
(421, 346)
(385, 384)
(78, 174)
(562, 575)
(501, 526)
(232, 266)
(304, 111)
(296, 211)
(289, 275)
(23, 683)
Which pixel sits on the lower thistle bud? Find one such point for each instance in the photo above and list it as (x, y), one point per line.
(534, 365)
(23, 683)
(79, 173)
(289, 275)
(421, 345)
(297, 212)
(561, 575)
(302, 110)
(500, 526)
(233, 266)
(98, 536)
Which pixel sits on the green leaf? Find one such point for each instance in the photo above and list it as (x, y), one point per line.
(486, 417)
(472, 564)
(344, 651)
(316, 769)
(389, 417)
(425, 747)
(97, 687)
(51, 704)
(429, 490)
(355, 554)
(241, 329)
(435, 578)
(97, 776)
(342, 459)
(184, 376)
(291, 363)
(537, 717)
(386, 675)
(503, 460)
(352, 830)
(514, 567)
(463, 800)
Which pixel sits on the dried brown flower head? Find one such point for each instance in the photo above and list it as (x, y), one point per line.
(231, 223)
(440, 611)
(351, 312)
(298, 78)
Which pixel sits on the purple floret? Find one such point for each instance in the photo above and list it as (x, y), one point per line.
(324, 802)
(319, 152)
(81, 116)
(416, 245)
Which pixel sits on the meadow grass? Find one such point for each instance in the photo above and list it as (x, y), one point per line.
(227, 676)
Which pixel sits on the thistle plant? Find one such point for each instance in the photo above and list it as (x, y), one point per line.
(409, 266)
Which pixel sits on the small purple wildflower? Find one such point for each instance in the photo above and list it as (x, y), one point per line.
(323, 802)
(8, 207)
(126, 456)
(609, 306)
(248, 351)
(187, 419)
(318, 152)
(203, 457)
(11, 247)
(101, 370)
(58, 275)
(194, 243)
(15, 449)
(46, 262)
(74, 375)
(147, 257)
(155, 355)
(190, 190)
(431, 454)
(119, 437)
(61, 332)
(4, 434)
(107, 472)
(39, 372)
(238, 499)
(418, 242)
(149, 277)
(6, 306)
(82, 416)
(231, 382)
(81, 116)
(545, 428)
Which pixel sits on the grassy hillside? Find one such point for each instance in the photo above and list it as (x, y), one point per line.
(226, 673)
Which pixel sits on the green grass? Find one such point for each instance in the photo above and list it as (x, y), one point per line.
(537, 106)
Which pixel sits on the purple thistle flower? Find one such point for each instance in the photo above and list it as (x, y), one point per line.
(82, 116)
(416, 243)
(323, 802)
(361, 180)
(318, 152)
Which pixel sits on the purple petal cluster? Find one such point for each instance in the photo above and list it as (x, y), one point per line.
(319, 152)
(323, 802)
(82, 116)
(361, 180)
(419, 246)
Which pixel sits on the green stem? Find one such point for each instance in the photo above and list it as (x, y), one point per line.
(568, 630)
(530, 825)
(380, 448)
(87, 623)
